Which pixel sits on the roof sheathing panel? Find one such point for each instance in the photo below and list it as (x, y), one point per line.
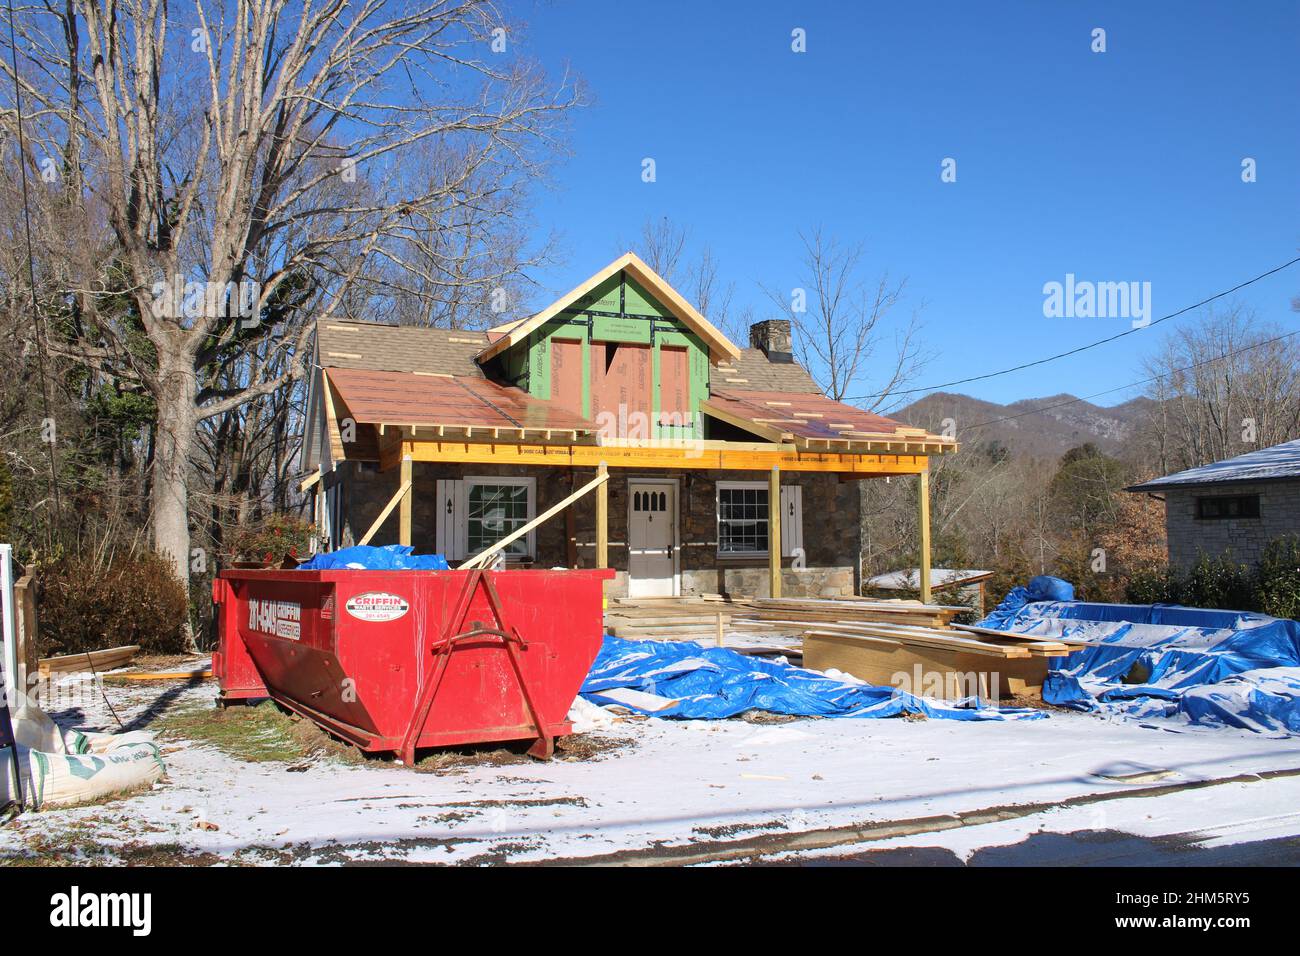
(403, 398)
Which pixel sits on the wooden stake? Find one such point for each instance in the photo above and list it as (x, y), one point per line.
(404, 519)
(774, 531)
(923, 499)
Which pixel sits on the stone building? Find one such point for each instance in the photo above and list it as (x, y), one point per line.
(1233, 507)
(729, 471)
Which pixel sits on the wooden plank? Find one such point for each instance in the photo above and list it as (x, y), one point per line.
(686, 455)
(104, 659)
(923, 500)
(926, 670)
(388, 509)
(404, 515)
(602, 517)
(774, 531)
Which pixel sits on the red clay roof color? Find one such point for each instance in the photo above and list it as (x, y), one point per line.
(405, 398)
(812, 416)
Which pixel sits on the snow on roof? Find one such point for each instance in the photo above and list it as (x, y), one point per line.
(1266, 464)
(910, 580)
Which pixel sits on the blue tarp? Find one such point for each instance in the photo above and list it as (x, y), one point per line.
(712, 682)
(364, 557)
(1208, 666)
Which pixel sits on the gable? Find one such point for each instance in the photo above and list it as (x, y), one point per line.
(618, 354)
(655, 294)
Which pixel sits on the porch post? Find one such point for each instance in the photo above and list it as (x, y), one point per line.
(774, 531)
(923, 499)
(404, 514)
(602, 519)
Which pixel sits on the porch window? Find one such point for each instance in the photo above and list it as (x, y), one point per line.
(743, 517)
(494, 508)
(475, 513)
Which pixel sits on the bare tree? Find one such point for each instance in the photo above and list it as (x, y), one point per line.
(255, 145)
(1221, 387)
(841, 320)
(666, 247)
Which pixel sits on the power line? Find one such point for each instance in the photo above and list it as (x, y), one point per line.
(1081, 348)
(1145, 381)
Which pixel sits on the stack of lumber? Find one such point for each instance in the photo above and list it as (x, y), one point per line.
(949, 663)
(105, 660)
(667, 619)
(790, 613)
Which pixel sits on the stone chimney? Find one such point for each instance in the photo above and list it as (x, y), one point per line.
(773, 337)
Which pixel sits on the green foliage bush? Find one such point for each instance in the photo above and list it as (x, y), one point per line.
(1271, 587)
(86, 605)
(1278, 578)
(1218, 583)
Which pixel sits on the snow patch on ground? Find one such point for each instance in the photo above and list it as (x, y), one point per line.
(677, 783)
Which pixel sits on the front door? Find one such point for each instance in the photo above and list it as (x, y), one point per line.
(652, 534)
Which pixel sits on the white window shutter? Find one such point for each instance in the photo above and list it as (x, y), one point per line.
(451, 529)
(791, 519)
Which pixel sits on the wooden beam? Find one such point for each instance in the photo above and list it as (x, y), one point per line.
(598, 482)
(774, 531)
(311, 479)
(404, 519)
(923, 500)
(602, 516)
(700, 457)
(388, 509)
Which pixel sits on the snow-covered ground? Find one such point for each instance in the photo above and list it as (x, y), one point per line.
(674, 786)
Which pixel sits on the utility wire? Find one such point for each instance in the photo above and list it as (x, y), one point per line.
(1145, 381)
(1081, 348)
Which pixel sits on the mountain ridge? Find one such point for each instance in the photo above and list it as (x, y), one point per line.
(1038, 427)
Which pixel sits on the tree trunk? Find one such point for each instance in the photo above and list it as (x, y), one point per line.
(175, 439)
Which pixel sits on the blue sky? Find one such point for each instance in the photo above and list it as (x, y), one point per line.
(1115, 166)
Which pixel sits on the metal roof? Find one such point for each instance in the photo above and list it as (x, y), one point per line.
(1277, 463)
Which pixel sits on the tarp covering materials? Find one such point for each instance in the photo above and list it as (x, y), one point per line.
(1210, 667)
(697, 682)
(364, 557)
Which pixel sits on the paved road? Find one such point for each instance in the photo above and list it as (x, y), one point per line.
(1084, 848)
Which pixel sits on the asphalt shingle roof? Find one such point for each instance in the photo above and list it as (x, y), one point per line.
(399, 348)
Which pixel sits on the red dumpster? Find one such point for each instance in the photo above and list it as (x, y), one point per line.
(400, 660)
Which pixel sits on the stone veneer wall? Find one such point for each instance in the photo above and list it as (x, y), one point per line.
(830, 516)
(1243, 538)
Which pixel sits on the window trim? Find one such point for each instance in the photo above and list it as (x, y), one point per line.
(1254, 497)
(529, 483)
(718, 488)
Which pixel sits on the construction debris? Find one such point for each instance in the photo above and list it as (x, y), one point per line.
(97, 661)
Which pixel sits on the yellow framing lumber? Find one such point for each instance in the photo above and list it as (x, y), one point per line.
(774, 531)
(923, 503)
(687, 458)
(388, 509)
